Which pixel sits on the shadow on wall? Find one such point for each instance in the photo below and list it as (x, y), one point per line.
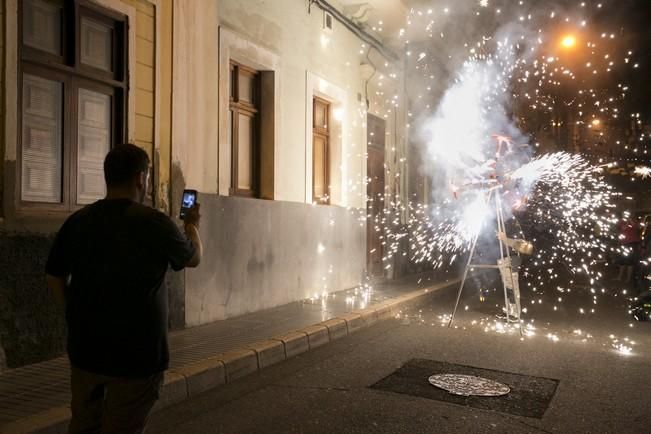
(176, 280)
(32, 326)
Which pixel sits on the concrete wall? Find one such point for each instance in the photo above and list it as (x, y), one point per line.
(31, 325)
(260, 254)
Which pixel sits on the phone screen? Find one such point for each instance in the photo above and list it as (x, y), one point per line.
(189, 198)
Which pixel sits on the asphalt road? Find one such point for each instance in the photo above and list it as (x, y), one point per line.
(601, 361)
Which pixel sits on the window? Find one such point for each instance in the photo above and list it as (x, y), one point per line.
(244, 130)
(320, 151)
(73, 81)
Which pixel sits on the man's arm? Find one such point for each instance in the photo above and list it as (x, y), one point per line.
(191, 226)
(192, 232)
(57, 285)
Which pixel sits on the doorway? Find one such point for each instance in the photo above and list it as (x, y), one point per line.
(375, 138)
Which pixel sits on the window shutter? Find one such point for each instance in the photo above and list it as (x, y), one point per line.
(94, 139)
(245, 152)
(42, 25)
(320, 188)
(96, 44)
(42, 140)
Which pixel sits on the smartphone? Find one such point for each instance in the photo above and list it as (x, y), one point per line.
(188, 201)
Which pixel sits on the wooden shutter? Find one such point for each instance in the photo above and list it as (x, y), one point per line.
(96, 44)
(94, 141)
(42, 22)
(320, 151)
(244, 125)
(245, 143)
(42, 138)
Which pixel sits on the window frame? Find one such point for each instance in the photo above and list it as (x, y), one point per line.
(251, 109)
(68, 69)
(323, 133)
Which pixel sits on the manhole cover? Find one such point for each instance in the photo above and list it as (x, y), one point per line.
(527, 395)
(468, 385)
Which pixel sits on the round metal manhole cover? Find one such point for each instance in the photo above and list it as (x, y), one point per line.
(468, 385)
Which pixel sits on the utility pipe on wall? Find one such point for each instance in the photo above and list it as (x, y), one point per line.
(350, 25)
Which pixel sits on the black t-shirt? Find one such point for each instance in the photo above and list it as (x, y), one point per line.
(116, 253)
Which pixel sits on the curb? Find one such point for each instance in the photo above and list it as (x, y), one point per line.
(190, 380)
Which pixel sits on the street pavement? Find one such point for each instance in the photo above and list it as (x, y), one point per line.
(601, 361)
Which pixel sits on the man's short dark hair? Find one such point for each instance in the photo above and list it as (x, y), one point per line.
(123, 162)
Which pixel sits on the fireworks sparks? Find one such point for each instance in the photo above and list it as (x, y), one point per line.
(555, 82)
(478, 139)
(643, 171)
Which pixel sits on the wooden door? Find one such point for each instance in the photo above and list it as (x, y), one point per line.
(375, 195)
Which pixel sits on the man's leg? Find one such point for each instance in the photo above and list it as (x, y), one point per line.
(129, 402)
(87, 400)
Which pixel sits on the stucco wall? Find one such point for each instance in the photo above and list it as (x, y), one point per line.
(194, 95)
(259, 254)
(286, 28)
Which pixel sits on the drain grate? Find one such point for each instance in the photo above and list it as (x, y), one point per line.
(529, 396)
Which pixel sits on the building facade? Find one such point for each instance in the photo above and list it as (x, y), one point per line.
(262, 106)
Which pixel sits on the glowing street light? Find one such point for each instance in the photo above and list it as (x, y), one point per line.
(568, 41)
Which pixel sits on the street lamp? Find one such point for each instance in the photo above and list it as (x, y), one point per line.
(568, 41)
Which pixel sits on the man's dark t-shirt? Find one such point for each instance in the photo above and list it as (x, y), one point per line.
(116, 253)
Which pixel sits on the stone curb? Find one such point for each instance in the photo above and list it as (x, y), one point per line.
(190, 380)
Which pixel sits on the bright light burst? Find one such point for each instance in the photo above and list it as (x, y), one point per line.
(474, 144)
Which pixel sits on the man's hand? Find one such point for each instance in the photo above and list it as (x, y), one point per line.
(193, 216)
(191, 226)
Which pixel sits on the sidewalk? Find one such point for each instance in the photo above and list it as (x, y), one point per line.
(36, 398)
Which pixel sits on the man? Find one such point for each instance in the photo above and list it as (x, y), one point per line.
(108, 266)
